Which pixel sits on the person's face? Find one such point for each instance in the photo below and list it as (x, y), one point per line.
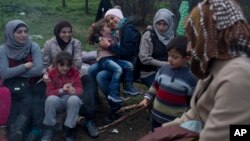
(63, 68)
(176, 60)
(21, 35)
(106, 30)
(162, 26)
(113, 21)
(65, 34)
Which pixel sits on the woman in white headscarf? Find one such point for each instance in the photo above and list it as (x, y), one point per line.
(20, 69)
(153, 46)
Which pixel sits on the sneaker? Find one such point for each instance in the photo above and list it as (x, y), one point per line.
(34, 135)
(48, 134)
(91, 128)
(130, 90)
(115, 99)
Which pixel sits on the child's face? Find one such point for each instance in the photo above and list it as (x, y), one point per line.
(106, 30)
(65, 34)
(176, 60)
(63, 68)
(113, 21)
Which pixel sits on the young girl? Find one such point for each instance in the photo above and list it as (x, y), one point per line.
(107, 60)
(63, 93)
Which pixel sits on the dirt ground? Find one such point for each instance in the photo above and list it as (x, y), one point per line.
(129, 130)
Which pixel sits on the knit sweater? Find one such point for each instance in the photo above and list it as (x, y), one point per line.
(7, 72)
(171, 90)
(58, 81)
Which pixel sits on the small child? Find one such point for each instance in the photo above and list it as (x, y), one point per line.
(108, 61)
(63, 93)
(173, 85)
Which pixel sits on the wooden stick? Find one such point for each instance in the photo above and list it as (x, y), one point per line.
(122, 118)
(129, 107)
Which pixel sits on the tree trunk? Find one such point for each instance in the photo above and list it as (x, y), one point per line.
(63, 3)
(86, 6)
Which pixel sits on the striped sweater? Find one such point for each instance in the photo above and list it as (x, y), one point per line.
(171, 91)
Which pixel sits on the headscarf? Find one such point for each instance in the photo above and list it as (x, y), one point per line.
(217, 29)
(59, 26)
(167, 16)
(14, 49)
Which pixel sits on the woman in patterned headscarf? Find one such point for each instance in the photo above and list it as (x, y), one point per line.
(220, 44)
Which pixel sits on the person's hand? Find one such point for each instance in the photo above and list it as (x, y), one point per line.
(66, 87)
(104, 43)
(72, 90)
(46, 78)
(145, 102)
(28, 65)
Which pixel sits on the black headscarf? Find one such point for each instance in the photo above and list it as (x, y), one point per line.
(59, 26)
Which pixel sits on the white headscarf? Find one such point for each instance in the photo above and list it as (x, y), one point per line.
(14, 49)
(167, 16)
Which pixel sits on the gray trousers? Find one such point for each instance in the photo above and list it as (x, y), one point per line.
(58, 104)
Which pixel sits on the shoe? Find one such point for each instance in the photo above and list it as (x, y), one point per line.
(69, 134)
(130, 90)
(34, 135)
(91, 128)
(115, 99)
(16, 133)
(48, 134)
(16, 136)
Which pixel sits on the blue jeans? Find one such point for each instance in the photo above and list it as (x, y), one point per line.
(117, 67)
(103, 78)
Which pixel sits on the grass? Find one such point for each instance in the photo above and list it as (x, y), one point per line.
(42, 15)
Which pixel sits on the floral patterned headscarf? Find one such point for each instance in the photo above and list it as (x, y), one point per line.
(217, 29)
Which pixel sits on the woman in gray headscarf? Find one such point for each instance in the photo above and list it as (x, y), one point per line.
(153, 46)
(20, 68)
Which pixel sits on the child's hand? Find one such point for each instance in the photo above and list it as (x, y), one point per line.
(145, 102)
(66, 87)
(72, 90)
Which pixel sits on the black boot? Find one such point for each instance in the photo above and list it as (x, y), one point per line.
(16, 131)
(69, 134)
(48, 133)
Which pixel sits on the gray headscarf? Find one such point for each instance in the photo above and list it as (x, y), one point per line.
(14, 49)
(167, 16)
